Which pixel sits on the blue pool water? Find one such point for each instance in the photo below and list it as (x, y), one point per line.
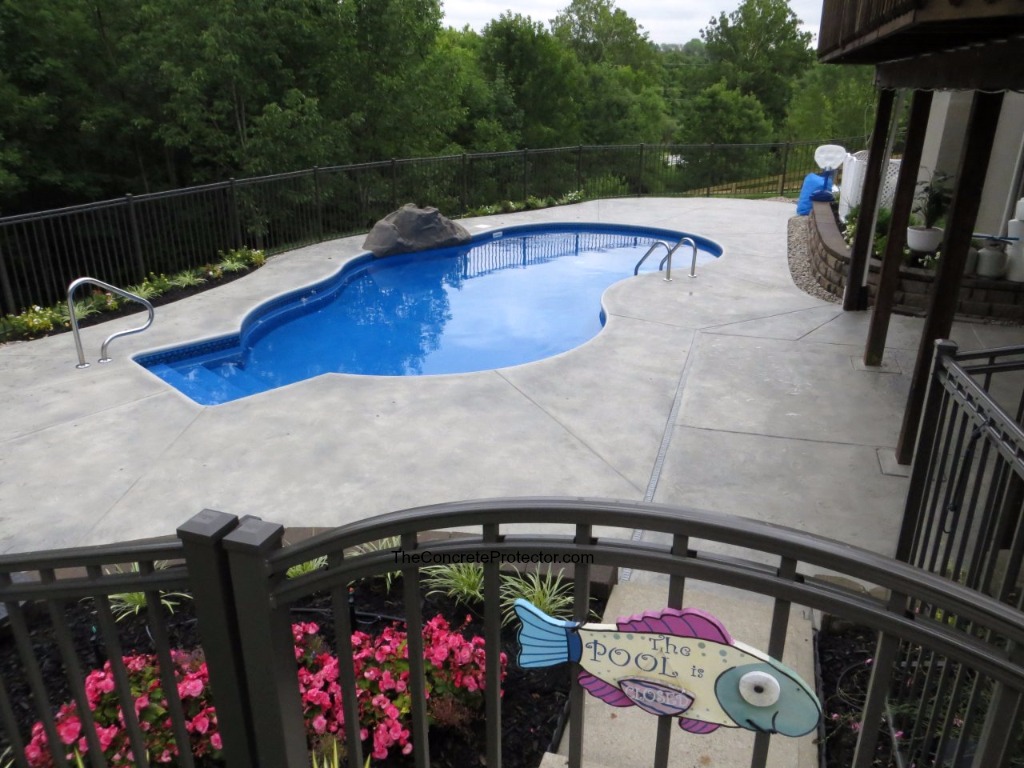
(507, 298)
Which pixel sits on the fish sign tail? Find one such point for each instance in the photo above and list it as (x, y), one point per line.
(543, 640)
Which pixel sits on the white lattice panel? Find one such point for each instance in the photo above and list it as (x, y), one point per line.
(853, 182)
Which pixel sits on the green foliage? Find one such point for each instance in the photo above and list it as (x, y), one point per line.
(310, 566)
(103, 97)
(831, 101)
(39, 321)
(125, 604)
(461, 582)
(721, 114)
(543, 77)
(548, 592)
(933, 199)
(190, 278)
(759, 49)
(382, 545)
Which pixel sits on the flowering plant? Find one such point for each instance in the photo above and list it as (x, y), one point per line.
(192, 678)
(455, 669)
(454, 685)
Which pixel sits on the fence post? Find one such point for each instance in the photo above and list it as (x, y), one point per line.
(213, 598)
(921, 465)
(579, 168)
(268, 650)
(5, 287)
(525, 175)
(785, 169)
(711, 174)
(133, 222)
(316, 202)
(640, 174)
(465, 183)
(394, 184)
(236, 219)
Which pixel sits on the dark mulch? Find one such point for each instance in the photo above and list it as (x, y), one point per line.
(533, 704)
(845, 652)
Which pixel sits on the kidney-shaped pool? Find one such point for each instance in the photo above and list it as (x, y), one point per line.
(508, 297)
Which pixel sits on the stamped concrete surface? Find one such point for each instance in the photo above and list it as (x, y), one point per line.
(735, 392)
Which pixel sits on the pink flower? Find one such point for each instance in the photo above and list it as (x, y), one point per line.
(68, 730)
(215, 741)
(319, 724)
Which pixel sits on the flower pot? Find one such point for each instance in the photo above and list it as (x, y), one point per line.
(992, 260)
(924, 239)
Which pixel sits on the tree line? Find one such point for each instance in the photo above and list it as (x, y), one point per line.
(104, 97)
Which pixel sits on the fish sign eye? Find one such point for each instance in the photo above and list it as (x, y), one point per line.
(759, 689)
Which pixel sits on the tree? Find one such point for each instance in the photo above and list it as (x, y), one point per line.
(544, 77)
(487, 116)
(598, 32)
(723, 115)
(760, 50)
(832, 102)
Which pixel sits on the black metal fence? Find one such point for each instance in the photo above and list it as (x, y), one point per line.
(238, 571)
(122, 241)
(964, 521)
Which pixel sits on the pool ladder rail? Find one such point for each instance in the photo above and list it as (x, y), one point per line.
(74, 320)
(667, 259)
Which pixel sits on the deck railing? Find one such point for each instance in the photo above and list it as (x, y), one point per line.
(122, 241)
(236, 570)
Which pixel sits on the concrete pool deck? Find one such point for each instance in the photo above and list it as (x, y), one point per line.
(735, 392)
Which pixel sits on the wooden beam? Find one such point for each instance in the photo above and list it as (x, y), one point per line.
(856, 295)
(963, 212)
(903, 201)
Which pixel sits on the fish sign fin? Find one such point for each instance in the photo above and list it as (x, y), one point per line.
(697, 726)
(606, 692)
(689, 622)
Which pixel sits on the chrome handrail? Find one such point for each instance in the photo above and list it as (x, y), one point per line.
(668, 258)
(636, 269)
(74, 320)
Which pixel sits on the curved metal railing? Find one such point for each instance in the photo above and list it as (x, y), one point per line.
(666, 261)
(793, 568)
(106, 342)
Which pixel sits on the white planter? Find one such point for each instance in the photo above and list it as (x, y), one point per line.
(992, 260)
(924, 239)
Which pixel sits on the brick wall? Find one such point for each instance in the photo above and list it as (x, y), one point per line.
(830, 261)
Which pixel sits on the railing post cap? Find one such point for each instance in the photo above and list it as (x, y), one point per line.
(208, 525)
(254, 535)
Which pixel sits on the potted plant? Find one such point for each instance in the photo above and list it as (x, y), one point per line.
(930, 205)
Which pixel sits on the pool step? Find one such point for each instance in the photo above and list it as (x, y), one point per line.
(240, 378)
(200, 384)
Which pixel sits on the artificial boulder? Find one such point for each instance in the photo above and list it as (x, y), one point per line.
(413, 229)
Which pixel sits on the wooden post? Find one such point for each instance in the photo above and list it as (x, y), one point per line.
(856, 298)
(903, 201)
(963, 212)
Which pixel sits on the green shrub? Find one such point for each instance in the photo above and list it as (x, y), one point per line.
(461, 582)
(548, 592)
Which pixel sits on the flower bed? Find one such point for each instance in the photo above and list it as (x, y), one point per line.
(532, 705)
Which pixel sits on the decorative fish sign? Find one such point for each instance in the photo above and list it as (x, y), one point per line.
(674, 662)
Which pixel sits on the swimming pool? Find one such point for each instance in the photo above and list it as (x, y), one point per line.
(508, 297)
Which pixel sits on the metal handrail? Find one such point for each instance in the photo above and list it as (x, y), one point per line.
(74, 320)
(636, 269)
(667, 260)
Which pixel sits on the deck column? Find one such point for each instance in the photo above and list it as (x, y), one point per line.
(856, 295)
(889, 278)
(963, 212)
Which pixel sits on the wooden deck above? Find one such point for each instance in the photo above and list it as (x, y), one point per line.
(875, 31)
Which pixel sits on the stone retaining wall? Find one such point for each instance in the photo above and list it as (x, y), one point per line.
(830, 261)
